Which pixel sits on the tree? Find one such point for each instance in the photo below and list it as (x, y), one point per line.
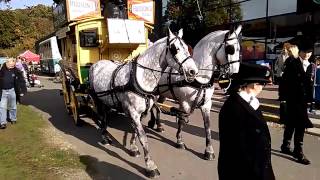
(21, 28)
(196, 16)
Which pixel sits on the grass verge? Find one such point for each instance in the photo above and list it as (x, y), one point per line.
(25, 153)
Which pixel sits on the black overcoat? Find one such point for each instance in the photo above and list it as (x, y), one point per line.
(245, 143)
(19, 82)
(296, 89)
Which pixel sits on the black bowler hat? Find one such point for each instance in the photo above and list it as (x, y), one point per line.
(252, 73)
(305, 46)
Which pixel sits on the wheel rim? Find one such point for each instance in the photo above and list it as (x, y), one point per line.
(65, 94)
(74, 107)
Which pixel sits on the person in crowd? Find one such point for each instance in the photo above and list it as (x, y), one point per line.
(279, 65)
(295, 92)
(245, 143)
(11, 86)
(57, 70)
(20, 64)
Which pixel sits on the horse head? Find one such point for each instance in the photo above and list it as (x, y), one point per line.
(179, 56)
(228, 54)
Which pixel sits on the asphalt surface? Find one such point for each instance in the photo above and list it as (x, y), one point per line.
(114, 162)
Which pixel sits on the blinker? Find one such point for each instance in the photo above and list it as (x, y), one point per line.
(229, 49)
(173, 50)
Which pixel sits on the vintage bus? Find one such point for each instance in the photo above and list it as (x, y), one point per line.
(49, 55)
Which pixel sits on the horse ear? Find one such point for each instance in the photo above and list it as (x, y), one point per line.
(180, 34)
(171, 35)
(236, 33)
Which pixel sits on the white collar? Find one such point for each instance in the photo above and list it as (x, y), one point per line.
(305, 63)
(250, 98)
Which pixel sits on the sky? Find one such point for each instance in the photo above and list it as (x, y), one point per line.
(21, 4)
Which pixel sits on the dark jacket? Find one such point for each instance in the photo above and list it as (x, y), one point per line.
(296, 89)
(245, 143)
(19, 82)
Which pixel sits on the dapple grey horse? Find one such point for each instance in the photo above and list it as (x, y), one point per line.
(129, 87)
(220, 47)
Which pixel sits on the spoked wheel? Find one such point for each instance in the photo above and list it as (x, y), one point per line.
(65, 93)
(74, 106)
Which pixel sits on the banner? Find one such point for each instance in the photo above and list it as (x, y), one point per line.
(71, 10)
(125, 31)
(141, 10)
(78, 9)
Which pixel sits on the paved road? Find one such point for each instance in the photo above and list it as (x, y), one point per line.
(113, 162)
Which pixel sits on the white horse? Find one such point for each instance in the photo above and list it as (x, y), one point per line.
(129, 87)
(220, 47)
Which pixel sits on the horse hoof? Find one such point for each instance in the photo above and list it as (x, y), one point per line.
(134, 153)
(104, 142)
(160, 129)
(209, 156)
(150, 124)
(153, 173)
(181, 146)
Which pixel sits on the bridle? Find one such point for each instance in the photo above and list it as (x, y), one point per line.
(229, 50)
(173, 50)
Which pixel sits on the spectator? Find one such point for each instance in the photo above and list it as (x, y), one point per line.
(245, 143)
(294, 92)
(279, 65)
(20, 64)
(11, 86)
(57, 70)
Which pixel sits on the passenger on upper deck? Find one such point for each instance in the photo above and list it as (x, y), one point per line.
(115, 9)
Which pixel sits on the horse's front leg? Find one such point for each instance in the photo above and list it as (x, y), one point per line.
(152, 120)
(156, 119)
(151, 168)
(181, 123)
(134, 150)
(103, 111)
(205, 110)
(182, 119)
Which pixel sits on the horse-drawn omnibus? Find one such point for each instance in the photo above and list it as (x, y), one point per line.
(85, 36)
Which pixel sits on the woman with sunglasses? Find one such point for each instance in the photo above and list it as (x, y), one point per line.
(245, 143)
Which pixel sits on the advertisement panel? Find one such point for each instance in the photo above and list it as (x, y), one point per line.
(78, 9)
(124, 31)
(71, 10)
(141, 10)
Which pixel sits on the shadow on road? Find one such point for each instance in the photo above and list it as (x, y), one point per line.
(191, 129)
(279, 154)
(106, 170)
(50, 101)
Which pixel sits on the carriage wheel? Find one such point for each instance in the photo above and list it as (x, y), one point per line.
(74, 108)
(66, 97)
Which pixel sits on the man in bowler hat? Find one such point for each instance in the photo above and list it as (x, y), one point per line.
(245, 143)
(295, 91)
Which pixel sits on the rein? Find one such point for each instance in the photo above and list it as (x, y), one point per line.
(132, 84)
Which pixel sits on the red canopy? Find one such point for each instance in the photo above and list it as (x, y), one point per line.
(30, 57)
